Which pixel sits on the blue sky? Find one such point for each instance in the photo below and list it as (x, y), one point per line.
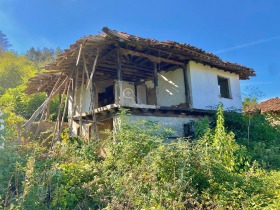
(241, 31)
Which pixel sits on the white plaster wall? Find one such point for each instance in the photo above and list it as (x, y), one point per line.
(175, 123)
(86, 100)
(171, 88)
(126, 87)
(141, 94)
(70, 104)
(75, 127)
(150, 92)
(204, 87)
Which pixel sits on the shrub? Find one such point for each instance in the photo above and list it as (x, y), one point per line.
(140, 170)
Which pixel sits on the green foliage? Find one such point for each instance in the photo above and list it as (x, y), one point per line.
(256, 133)
(201, 127)
(42, 57)
(224, 143)
(11, 173)
(18, 107)
(14, 70)
(135, 168)
(16, 101)
(249, 102)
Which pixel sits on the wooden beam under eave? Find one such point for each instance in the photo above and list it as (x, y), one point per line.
(119, 77)
(187, 87)
(112, 66)
(155, 82)
(152, 58)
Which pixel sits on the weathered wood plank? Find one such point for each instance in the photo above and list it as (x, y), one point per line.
(75, 92)
(93, 67)
(56, 128)
(79, 55)
(152, 58)
(119, 78)
(187, 87)
(155, 82)
(64, 111)
(81, 99)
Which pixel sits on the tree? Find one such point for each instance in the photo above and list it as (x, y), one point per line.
(42, 57)
(14, 70)
(4, 42)
(251, 95)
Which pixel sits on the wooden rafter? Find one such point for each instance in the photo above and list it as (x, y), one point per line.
(152, 58)
(93, 68)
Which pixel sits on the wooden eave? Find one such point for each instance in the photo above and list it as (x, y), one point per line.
(110, 110)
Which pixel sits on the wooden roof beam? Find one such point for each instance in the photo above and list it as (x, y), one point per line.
(152, 58)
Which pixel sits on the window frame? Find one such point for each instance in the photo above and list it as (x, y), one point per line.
(226, 81)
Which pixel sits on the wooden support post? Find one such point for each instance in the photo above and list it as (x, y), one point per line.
(47, 115)
(187, 89)
(119, 78)
(155, 83)
(85, 68)
(93, 67)
(94, 94)
(75, 93)
(79, 54)
(64, 111)
(72, 80)
(135, 91)
(94, 101)
(56, 128)
(81, 101)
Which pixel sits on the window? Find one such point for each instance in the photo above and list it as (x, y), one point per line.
(224, 90)
(189, 130)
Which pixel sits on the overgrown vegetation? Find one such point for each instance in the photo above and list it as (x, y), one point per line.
(260, 138)
(142, 171)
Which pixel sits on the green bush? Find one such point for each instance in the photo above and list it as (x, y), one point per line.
(256, 133)
(135, 168)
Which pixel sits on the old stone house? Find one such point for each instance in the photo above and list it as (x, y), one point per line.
(163, 81)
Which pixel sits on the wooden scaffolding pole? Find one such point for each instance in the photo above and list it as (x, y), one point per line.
(156, 83)
(81, 101)
(72, 101)
(187, 89)
(59, 113)
(119, 78)
(85, 67)
(65, 108)
(93, 67)
(93, 100)
(74, 105)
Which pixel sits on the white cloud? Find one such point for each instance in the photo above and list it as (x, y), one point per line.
(248, 44)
